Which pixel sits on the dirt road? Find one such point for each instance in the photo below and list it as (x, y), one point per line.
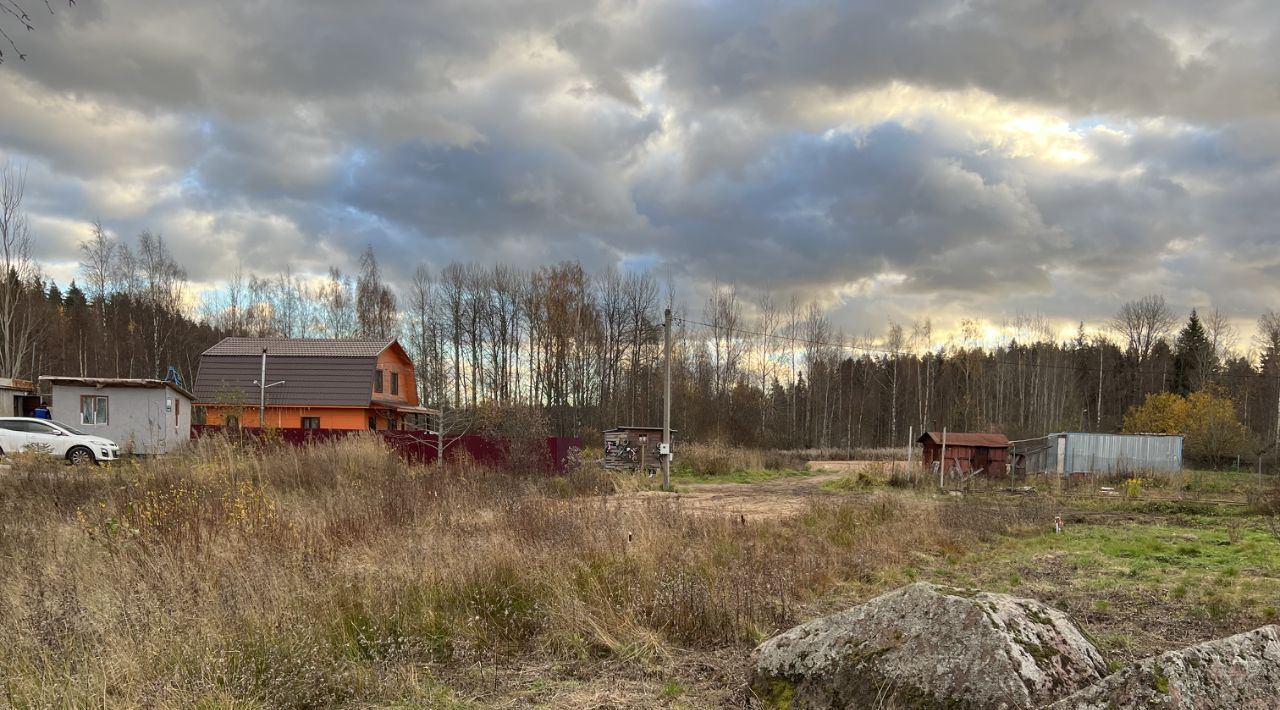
(771, 499)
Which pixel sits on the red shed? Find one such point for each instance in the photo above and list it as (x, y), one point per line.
(968, 451)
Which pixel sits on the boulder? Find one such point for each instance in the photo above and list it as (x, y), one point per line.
(1241, 671)
(929, 646)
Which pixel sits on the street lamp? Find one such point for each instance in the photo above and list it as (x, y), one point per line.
(262, 392)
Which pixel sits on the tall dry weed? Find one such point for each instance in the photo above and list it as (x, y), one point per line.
(330, 575)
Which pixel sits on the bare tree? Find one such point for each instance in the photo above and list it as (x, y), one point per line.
(375, 303)
(13, 13)
(98, 268)
(1223, 336)
(17, 272)
(641, 299)
(421, 299)
(337, 305)
(767, 318)
(164, 285)
(723, 315)
(894, 344)
(1143, 323)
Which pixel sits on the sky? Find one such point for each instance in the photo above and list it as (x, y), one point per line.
(893, 160)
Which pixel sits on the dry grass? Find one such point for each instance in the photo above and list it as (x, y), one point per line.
(337, 575)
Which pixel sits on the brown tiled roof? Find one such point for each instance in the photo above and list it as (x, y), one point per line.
(299, 347)
(960, 438)
(308, 380)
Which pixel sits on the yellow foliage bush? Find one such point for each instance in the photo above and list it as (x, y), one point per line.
(1206, 418)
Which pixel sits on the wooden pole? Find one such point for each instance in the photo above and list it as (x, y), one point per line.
(942, 468)
(666, 401)
(911, 437)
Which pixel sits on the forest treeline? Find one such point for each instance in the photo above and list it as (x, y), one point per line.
(749, 368)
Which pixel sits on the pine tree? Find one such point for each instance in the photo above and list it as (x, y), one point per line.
(1194, 360)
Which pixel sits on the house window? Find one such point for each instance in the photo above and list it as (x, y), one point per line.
(377, 380)
(395, 383)
(199, 415)
(373, 422)
(233, 422)
(311, 422)
(93, 409)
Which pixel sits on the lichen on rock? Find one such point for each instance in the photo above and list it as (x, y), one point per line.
(933, 647)
(1233, 673)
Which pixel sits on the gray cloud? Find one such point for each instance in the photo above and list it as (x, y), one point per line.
(759, 142)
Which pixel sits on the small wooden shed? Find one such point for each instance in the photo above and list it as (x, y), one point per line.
(967, 451)
(624, 448)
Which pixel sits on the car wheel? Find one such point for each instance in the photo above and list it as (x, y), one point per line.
(80, 456)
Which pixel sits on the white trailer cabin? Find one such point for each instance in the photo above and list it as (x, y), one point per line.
(143, 416)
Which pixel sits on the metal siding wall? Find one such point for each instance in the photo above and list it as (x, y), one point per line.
(1112, 453)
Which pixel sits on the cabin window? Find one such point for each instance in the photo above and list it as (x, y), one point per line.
(377, 380)
(311, 422)
(93, 410)
(395, 383)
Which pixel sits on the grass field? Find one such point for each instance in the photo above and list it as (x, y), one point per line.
(337, 575)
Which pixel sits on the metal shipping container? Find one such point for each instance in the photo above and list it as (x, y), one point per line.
(1074, 452)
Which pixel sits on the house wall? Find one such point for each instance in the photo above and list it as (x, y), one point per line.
(394, 360)
(291, 417)
(11, 402)
(968, 458)
(141, 420)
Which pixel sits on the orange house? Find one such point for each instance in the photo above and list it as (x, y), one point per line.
(311, 384)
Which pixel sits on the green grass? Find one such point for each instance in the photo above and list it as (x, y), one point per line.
(1138, 579)
(1218, 483)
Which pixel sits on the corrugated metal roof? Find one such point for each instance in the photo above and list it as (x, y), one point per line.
(960, 438)
(300, 347)
(341, 381)
(135, 382)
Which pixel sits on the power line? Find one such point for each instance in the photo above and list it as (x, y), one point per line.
(902, 353)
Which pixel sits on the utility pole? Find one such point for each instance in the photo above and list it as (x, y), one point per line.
(262, 393)
(440, 438)
(942, 468)
(261, 382)
(1099, 407)
(666, 402)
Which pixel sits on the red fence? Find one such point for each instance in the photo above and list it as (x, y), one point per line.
(420, 447)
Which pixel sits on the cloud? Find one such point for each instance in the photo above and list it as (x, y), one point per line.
(900, 158)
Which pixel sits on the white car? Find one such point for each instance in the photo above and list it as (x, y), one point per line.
(29, 434)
